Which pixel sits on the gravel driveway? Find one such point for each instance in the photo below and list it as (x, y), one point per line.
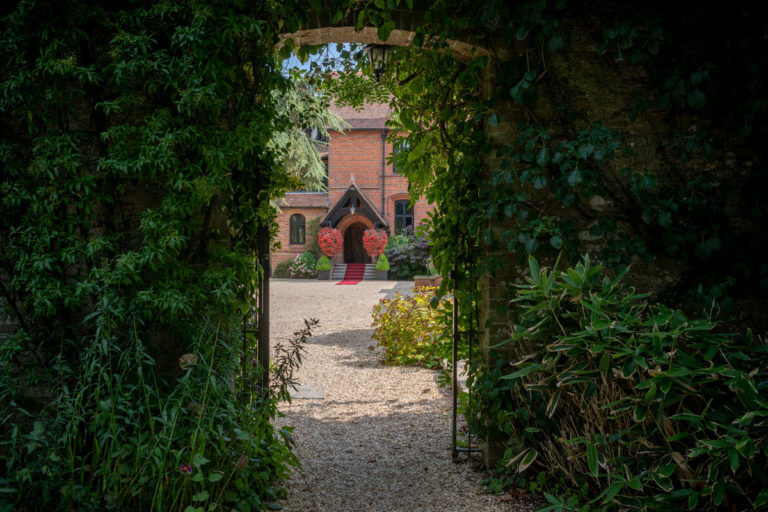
(380, 439)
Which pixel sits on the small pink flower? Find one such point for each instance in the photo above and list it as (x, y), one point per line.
(185, 469)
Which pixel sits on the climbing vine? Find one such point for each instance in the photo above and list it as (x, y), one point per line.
(135, 171)
(604, 129)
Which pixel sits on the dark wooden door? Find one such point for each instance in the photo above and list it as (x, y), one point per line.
(354, 252)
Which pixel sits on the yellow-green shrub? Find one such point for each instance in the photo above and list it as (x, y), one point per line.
(411, 331)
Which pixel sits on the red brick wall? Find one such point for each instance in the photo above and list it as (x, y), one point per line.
(353, 156)
(287, 250)
(357, 155)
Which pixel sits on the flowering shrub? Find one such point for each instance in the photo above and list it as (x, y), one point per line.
(374, 242)
(407, 255)
(303, 265)
(330, 241)
(411, 331)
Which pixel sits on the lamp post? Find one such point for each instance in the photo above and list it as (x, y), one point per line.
(378, 55)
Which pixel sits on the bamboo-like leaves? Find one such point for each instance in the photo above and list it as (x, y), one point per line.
(643, 389)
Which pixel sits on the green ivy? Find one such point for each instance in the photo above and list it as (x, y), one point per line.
(137, 168)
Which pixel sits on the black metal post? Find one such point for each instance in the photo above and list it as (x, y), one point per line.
(263, 315)
(455, 380)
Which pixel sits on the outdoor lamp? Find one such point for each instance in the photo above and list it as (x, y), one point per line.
(378, 54)
(352, 210)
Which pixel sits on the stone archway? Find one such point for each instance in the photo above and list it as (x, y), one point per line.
(354, 252)
(321, 28)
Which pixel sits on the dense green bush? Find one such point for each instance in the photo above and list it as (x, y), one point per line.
(411, 331)
(382, 265)
(323, 263)
(629, 405)
(407, 255)
(120, 441)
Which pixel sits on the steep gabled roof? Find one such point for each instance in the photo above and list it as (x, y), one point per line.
(354, 197)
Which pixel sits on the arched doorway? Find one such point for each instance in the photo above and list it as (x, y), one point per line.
(354, 252)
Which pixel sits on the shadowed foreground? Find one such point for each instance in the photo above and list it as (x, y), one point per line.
(380, 439)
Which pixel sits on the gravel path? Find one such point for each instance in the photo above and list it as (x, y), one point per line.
(380, 439)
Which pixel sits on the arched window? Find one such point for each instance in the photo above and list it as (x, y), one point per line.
(298, 230)
(403, 216)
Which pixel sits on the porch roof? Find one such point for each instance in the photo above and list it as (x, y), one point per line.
(354, 198)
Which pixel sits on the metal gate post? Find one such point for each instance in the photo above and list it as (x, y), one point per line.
(263, 298)
(455, 380)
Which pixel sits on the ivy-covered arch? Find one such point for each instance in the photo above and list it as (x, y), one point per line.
(631, 131)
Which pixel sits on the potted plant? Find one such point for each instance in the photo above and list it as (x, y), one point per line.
(374, 243)
(323, 267)
(382, 267)
(331, 241)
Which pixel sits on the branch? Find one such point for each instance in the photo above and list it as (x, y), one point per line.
(15, 307)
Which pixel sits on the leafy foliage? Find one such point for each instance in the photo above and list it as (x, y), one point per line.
(136, 172)
(323, 263)
(306, 109)
(411, 331)
(313, 242)
(407, 255)
(382, 264)
(639, 406)
(545, 162)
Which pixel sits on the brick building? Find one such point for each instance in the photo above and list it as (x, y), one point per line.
(364, 191)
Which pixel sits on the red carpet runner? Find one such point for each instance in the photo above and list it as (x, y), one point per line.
(354, 273)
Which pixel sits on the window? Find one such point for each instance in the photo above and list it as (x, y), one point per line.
(403, 216)
(325, 176)
(297, 229)
(399, 154)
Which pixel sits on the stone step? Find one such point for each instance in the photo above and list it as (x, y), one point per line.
(339, 270)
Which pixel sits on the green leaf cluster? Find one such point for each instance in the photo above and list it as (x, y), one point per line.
(137, 167)
(644, 406)
(411, 331)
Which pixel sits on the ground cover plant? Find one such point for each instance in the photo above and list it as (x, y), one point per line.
(615, 403)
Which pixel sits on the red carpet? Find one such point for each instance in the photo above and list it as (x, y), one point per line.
(354, 273)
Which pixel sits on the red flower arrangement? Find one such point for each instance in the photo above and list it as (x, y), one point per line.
(374, 242)
(330, 241)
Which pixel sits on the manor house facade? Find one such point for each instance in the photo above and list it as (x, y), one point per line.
(364, 191)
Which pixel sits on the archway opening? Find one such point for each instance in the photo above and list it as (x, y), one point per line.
(354, 252)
